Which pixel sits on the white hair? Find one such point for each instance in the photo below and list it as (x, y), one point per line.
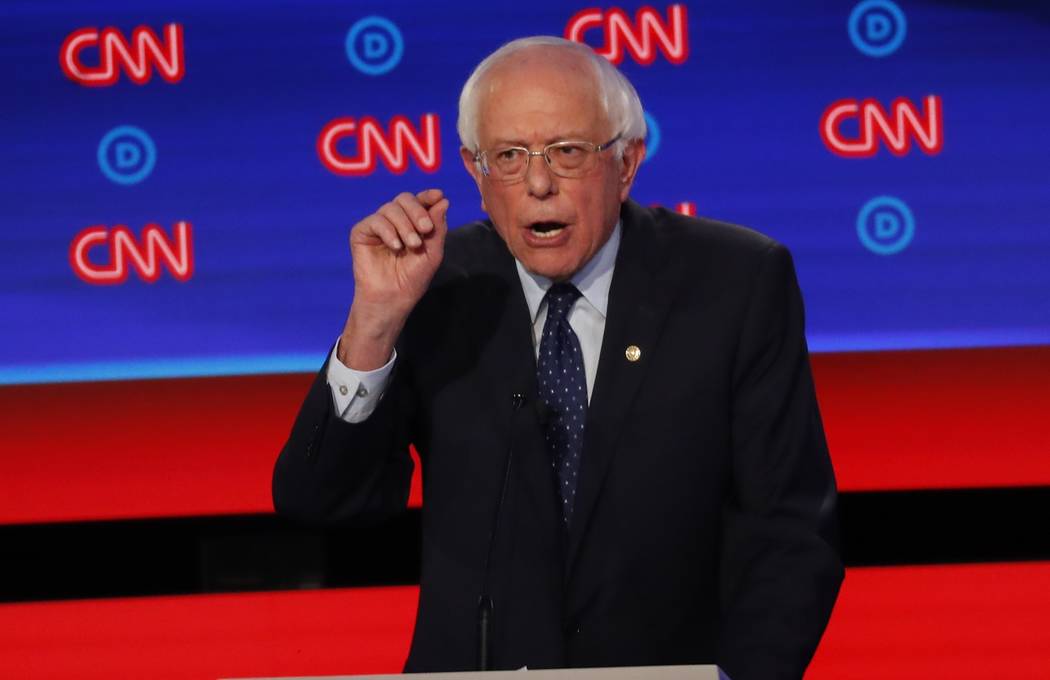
(619, 100)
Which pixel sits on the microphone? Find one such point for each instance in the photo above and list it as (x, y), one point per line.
(484, 623)
(518, 401)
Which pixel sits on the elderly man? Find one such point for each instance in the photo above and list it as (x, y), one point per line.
(623, 460)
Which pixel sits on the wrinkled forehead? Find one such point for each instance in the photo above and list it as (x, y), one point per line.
(548, 85)
(560, 68)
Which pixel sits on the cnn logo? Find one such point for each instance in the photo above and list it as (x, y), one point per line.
(896, 127)
(393, 145)
(641, 38)
(122, 253)
(137, 58)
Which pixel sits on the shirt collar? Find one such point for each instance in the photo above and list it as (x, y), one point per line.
(593, 281)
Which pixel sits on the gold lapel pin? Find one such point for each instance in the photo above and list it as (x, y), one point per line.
(633, 353)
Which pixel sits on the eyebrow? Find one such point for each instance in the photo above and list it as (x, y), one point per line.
(570, 137)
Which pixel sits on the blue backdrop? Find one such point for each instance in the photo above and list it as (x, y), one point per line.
(944, 245)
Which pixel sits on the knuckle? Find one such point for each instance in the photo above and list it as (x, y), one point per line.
(416, 209)
(394, 216)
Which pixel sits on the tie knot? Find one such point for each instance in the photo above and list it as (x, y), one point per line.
(560, 298)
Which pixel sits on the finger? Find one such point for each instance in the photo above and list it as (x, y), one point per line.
(378, 226)
(439, 212)
(415, 211)
(430, 196)
(405, 229)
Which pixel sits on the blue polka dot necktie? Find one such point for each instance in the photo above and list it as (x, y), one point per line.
(563, 387)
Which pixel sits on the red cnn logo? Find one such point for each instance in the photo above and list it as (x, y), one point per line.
(641, 38)
(896, 130)
(394, 147)
(137, 59)
(145, 255)
(687, 208)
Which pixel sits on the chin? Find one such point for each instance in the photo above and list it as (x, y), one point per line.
(556, 271)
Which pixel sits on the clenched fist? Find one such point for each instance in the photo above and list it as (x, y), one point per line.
(395, 252)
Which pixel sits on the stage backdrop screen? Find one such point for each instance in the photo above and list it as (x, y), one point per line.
(179, 179)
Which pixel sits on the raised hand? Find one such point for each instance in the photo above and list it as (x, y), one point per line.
(395, 252)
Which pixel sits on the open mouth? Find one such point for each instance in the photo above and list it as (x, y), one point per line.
(547, 229)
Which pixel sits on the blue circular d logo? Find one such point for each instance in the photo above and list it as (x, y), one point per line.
(885, 225)
(652, 136)
(126, 155)
(374, 45)
(877, 27)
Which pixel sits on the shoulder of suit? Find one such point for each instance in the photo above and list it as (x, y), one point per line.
(474, 248)
(711, 236)
(474, 239)
(698, 248)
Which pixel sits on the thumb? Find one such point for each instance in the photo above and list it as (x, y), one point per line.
(438, 214)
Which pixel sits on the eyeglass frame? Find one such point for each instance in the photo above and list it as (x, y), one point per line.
(483, 166)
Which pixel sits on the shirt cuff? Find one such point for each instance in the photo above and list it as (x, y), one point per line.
(356, 393)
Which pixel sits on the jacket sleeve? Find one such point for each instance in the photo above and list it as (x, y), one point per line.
(780, 566)
(334, 471)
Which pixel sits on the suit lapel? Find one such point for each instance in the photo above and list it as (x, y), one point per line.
(638, 301)
(504, 351)
(507, 363)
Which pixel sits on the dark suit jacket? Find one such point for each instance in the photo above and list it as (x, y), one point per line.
(704, 528)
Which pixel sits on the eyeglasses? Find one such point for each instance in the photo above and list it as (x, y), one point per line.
(565, 159)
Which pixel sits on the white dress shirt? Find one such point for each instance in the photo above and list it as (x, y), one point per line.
(357, 393)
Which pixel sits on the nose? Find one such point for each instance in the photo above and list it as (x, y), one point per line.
(539, 179)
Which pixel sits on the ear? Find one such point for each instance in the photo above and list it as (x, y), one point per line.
(474, 170)
(633, 155)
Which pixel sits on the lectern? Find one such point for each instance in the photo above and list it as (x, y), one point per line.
(624, 673)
